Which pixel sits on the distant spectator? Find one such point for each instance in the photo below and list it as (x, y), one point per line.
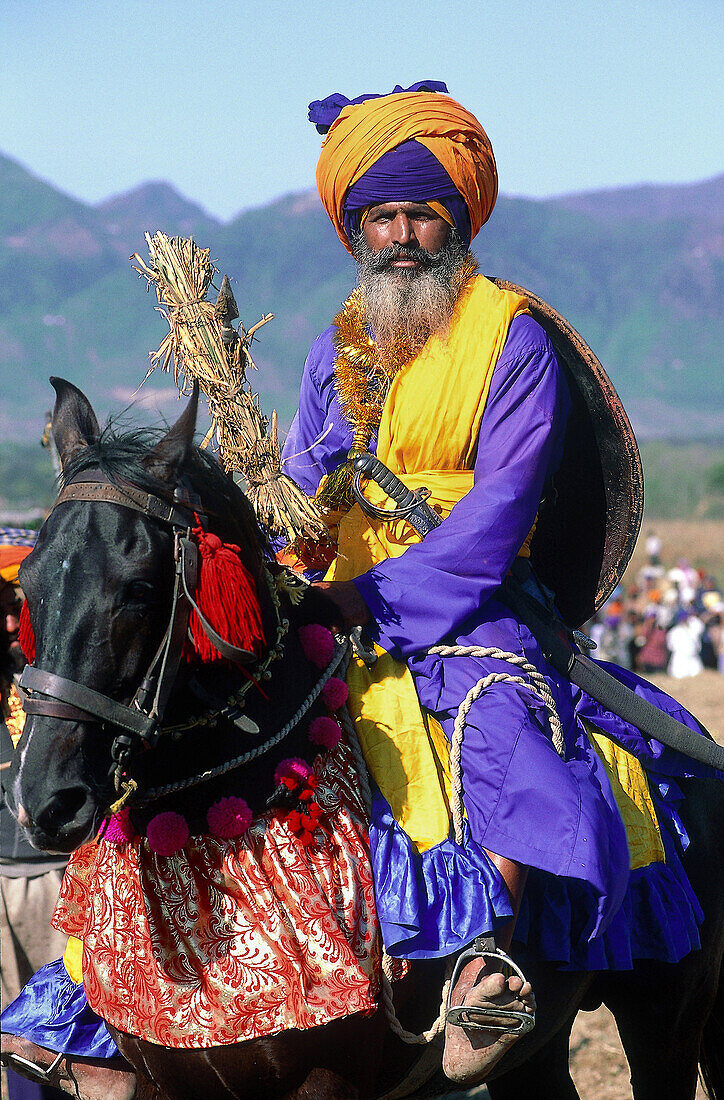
(685, 580)
(653, 655)
(653, 548)
(684, 641)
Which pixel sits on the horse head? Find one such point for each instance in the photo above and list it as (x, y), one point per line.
(99, 587)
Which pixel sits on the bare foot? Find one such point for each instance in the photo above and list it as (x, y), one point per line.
(470, 1053)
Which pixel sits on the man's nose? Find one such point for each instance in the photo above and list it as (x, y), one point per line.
(403, 231)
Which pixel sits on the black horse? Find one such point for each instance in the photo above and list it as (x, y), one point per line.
(100, 585)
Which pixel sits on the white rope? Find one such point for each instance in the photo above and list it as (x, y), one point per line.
(537, 684)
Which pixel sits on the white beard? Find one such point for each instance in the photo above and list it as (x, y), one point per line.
(405, 306)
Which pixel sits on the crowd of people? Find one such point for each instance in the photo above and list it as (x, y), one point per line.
(668, 620)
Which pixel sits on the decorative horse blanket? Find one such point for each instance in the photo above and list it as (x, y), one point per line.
(229, 940)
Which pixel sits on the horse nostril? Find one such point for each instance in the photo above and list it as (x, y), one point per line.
(24, 818)
(61, 809)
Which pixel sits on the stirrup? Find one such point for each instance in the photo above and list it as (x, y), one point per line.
(33, 1070)
(476, 1017)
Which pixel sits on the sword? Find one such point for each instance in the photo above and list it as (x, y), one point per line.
(557, 641)
(411, 506)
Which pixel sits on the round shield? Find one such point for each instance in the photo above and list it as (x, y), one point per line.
(590, 519)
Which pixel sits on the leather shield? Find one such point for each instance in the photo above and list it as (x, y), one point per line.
(590, 518)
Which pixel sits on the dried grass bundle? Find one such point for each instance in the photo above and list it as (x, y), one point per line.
(203, 346)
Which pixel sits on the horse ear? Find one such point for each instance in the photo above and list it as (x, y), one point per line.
(168, 456)
(74, 422)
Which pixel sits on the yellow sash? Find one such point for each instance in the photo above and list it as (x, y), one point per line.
(428, 436)
(631, 790)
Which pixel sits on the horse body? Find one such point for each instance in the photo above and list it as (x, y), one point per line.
(99, 585)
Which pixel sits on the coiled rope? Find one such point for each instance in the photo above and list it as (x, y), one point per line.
(537, 684)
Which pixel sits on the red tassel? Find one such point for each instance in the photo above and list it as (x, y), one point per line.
(26, 634)
(227, 597)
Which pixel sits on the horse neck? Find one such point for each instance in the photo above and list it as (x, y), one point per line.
(212, 742)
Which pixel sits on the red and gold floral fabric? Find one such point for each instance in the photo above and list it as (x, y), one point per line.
(230, 940)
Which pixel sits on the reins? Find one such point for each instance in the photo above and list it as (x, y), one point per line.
(341, 651)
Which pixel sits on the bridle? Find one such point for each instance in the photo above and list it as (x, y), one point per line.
(45, 693)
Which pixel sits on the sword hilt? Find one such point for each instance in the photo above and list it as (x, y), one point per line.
(369, 466)
(412, 506)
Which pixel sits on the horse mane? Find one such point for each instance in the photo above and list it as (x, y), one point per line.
(122, 454)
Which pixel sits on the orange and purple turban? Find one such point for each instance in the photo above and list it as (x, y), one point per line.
(15, 545)
(414, 145)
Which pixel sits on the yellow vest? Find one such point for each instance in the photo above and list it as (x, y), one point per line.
(428, 436)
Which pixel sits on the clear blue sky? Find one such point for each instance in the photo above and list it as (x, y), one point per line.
(98, 96)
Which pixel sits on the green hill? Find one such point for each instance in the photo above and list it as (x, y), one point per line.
(637, 272)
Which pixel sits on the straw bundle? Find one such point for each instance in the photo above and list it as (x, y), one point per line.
(203, 346)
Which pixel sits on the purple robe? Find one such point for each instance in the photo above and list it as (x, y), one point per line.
(582, 907)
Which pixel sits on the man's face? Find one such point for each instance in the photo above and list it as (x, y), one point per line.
(10, 605)
(406, 226)
(411, 267)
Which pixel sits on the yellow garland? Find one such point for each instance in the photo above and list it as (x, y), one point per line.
(15, 717)
(362, 379)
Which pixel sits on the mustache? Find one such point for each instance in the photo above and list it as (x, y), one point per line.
(379, 261)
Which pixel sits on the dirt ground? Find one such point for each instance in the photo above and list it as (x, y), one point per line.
(701, 542)
(598, 1065)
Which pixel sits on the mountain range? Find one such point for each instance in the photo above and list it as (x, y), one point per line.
(638, 271)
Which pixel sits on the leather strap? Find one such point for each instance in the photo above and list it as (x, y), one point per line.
(81, 702)
(187, 557)
(128, 496)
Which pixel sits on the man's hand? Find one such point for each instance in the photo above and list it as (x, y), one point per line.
(353, 611)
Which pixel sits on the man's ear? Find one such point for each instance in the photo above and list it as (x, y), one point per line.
(74, 423)
(168, 456)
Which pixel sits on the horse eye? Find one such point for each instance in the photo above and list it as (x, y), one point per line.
(138, 592)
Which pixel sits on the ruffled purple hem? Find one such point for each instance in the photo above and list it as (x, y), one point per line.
(52, 1011)
(658, 919)
(433, 903)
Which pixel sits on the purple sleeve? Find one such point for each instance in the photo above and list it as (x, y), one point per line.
(319, 437)
(420, 598)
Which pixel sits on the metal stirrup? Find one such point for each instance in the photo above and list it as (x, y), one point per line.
(32, 1069)
(478, 1017)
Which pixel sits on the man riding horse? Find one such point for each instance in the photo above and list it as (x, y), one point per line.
(457, 388)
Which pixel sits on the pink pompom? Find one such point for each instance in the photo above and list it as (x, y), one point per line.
(335, 693)
(229, 817)
(119, 829)
(325, 732)
(317, 643)
(167, 833)
(292, 771)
